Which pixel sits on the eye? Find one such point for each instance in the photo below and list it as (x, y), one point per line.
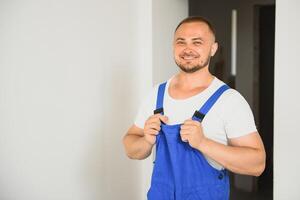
(197, 43)
(180, 43)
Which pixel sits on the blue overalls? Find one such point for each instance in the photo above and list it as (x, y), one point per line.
(180, 171)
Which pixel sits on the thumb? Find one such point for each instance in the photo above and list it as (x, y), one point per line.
(164, 119)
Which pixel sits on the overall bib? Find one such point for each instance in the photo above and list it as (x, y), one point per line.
(181, 172)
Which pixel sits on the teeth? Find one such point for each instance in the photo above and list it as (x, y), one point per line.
(188, 58)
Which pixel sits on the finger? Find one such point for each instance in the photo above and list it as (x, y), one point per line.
(185, 127)
(154, 125)
(157, 115)
(164, 118)
(184, 138)
(184, 132)
(191, 122)
(151, 132)
(154, 118)
(160, 117)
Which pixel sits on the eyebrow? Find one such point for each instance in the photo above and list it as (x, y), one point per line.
(193, 39)
(180, 39)
(198, 38)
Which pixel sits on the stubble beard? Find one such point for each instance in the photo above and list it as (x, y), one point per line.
(191, 69)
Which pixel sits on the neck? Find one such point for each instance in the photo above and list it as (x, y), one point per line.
(200, 78)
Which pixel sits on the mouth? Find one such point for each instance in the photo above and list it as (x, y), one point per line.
(188, 57)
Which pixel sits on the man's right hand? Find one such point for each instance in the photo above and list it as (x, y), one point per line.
(152, 127)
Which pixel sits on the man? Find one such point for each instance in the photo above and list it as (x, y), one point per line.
(194, 150)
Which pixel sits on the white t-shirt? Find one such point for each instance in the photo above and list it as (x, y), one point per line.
(230, 116)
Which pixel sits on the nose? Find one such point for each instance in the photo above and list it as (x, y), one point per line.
(188, 50)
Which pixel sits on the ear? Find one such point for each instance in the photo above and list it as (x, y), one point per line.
(214, 49)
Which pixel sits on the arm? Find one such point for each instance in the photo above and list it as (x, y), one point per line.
(136, 146)
(138, 142)
(244, 155)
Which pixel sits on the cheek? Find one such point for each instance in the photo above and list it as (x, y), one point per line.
(200, 50)
(177, 52)
(178, 49)
(204, 53)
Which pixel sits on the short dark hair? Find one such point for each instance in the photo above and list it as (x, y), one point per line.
(198, 19)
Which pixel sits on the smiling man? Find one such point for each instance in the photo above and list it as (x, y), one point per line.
(200, 126)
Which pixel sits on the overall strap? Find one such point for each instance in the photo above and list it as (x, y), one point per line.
(160, 99)
(199, 115)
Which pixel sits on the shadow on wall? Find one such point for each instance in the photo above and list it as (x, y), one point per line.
(110, 174)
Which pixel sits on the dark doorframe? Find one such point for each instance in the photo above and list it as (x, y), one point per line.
(266, 40)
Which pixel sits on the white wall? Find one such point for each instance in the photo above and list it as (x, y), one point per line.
(166, 15)
(71, 75)
(287, 98)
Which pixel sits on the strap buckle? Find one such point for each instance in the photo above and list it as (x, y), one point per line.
(198, 115)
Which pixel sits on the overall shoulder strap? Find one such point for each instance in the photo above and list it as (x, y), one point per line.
(160, 98)
(199, 115)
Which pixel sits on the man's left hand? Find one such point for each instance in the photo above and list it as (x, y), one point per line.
(191, 132)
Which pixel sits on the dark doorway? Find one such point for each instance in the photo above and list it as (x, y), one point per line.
(254, 78)
(266, 93)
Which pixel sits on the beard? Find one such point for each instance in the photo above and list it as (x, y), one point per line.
(188, 68)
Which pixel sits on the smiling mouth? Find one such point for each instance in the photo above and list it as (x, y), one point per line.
(188, 57)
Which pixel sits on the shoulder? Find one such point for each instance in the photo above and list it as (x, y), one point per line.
(163, 85)
(232, 103)
(236, 114)
(152, 94)
(147, 106)
(150, 97)
(231, 97)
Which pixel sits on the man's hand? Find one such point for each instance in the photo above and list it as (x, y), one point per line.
(152, 127)
(191, 132)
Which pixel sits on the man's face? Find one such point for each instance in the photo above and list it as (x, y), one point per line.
(193, 46)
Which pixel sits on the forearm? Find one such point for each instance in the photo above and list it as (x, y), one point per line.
(242, 160)
(137, 147)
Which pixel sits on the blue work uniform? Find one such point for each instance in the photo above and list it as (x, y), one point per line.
(181, 172)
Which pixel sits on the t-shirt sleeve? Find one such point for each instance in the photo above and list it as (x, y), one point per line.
(146, 108)
(239, 120)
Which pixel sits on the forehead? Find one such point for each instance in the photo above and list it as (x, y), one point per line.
(194, 29)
